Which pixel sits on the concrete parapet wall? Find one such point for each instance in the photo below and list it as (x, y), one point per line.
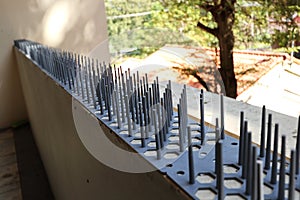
(73, 172)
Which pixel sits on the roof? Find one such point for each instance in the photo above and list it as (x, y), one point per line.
(170, 60)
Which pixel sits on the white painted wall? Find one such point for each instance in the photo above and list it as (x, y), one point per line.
(76, 25)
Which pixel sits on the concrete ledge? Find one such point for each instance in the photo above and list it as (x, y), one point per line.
(73, 172)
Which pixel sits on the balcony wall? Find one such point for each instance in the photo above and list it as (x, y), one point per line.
(72, 171)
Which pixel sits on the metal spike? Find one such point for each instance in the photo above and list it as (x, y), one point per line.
(202, 122)
(263, 132)
(298, 148)
(260, 180)
(241, 139)
(292, 176)
(128, 116)
(122, 104)
(180, 128)
(108, 103)
(222, 117)
(254, 178)
(281, 185)
(249, 164)
(157, 139)
(217, 130)
(219, 170)
(115, 95)
(269, 139)
(141, 126)
(158, 110)
(245, 144)
(190, 157)
(275, 156)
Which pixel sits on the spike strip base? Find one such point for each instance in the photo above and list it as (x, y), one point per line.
(174, 161)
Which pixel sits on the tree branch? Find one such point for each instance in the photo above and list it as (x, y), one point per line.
(213, 31)
(207, 7)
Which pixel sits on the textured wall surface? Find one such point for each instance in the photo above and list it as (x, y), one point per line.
(75, 25)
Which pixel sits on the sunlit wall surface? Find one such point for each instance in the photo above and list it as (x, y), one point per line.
(75, 25)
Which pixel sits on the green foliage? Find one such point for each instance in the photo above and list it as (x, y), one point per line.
(141, 34)
(258, 24)
(251, 28)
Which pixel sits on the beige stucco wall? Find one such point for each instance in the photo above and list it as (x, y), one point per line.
(75, 25)
(72, 171)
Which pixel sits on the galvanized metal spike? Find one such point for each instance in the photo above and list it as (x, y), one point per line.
(158, 110)
(249, 164)
(260, 181)
(147, 82)
(292, 176)
(149, 129)
(163, 134)
(165, 116)
(202, 122)
(281, 185)
(241, 139)
(141, 90)
(269, 139)
(217, 130)
(181, 144)
(99, 95)
(150, 105)
(136, 97)
(219, 169)
(105, 93)
(107, 99)
(153, 93)
(122, 105)
(129, 74)
(93, 93)
(128, 116)
(157, 139)
(254, 178)
(171, 97)
(298, 149)
(134, 82)
(131, 84)
(144, 85)
(158, 90)
(245, 144)
(86, 80)
(275, 156)
(81, 82)
(132, 108)
(113, 102)
(190, 157)
(137, 77)
(167, 112)
(126, 75)
(115, 96)
(128, 90)
(222, 116)
(145, 115)
(75, 74)
(141, 125)
(95, 79)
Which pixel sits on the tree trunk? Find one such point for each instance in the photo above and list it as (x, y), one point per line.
(225, 21)
(226, 44)
(223, 14)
